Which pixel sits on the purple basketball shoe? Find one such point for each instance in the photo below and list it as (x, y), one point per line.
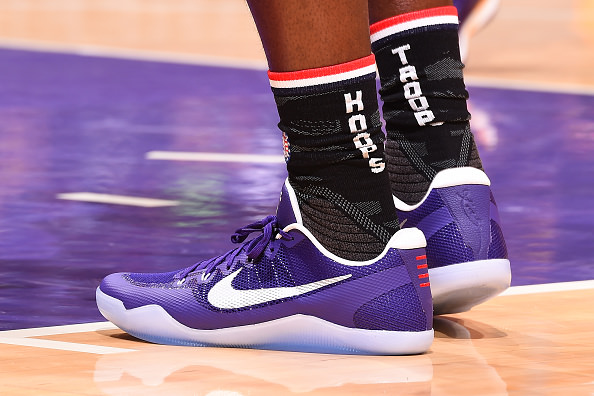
(283, 290)
(466, 252)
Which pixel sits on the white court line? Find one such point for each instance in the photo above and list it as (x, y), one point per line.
(549, 287)
(116, 199)
(55, 330)
(63, 346)
(22, 337)
(215, 157)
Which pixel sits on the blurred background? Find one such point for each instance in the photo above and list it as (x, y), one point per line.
(550, 42)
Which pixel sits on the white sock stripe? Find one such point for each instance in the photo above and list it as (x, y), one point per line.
(307, 82)
(401, 27)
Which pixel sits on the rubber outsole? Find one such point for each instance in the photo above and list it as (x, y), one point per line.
(459, 287)
(301, 333)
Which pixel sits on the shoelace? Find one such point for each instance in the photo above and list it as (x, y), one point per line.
(253, 248)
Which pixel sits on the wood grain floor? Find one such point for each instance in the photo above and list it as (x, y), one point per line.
(533, 344)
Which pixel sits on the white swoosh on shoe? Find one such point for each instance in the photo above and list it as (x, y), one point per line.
(224, 296)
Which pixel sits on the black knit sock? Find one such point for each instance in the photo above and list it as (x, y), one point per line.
(334, 149)
(422, 87)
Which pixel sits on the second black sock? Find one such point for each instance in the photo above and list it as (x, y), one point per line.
(422, 87)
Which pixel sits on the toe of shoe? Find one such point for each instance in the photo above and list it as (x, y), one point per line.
(117, 286)
(135, 294)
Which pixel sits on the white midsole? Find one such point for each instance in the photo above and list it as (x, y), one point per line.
(481, 272)
(295, 332)
(480, 280)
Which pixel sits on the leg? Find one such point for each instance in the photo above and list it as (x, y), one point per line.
(331, 271)
(424, 96)
(298, 35)
(331, 126)
(434, 166)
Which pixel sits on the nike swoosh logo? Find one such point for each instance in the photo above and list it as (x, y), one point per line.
(224, 296)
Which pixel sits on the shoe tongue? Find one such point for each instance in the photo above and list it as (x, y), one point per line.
(287, 211)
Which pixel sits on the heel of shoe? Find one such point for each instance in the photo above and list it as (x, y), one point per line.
(411, 245)
(459, 287)
(415, 261)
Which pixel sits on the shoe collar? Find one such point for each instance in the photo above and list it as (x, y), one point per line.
(448, 178)
(289, 218)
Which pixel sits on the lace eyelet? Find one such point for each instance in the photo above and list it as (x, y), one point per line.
(205, 277)
(181, 281)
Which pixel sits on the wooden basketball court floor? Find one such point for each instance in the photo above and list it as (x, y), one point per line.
(108, 162)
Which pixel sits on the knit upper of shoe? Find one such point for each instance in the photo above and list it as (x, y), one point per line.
(282, 266)
(290, 275)
(147, 279)
(246, 253)
(378, 296)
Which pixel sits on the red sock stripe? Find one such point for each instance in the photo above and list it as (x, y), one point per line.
(411, 20)
(423, 257)
(323, 75)
(425, 275)
(425, 284)
(421, 266)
